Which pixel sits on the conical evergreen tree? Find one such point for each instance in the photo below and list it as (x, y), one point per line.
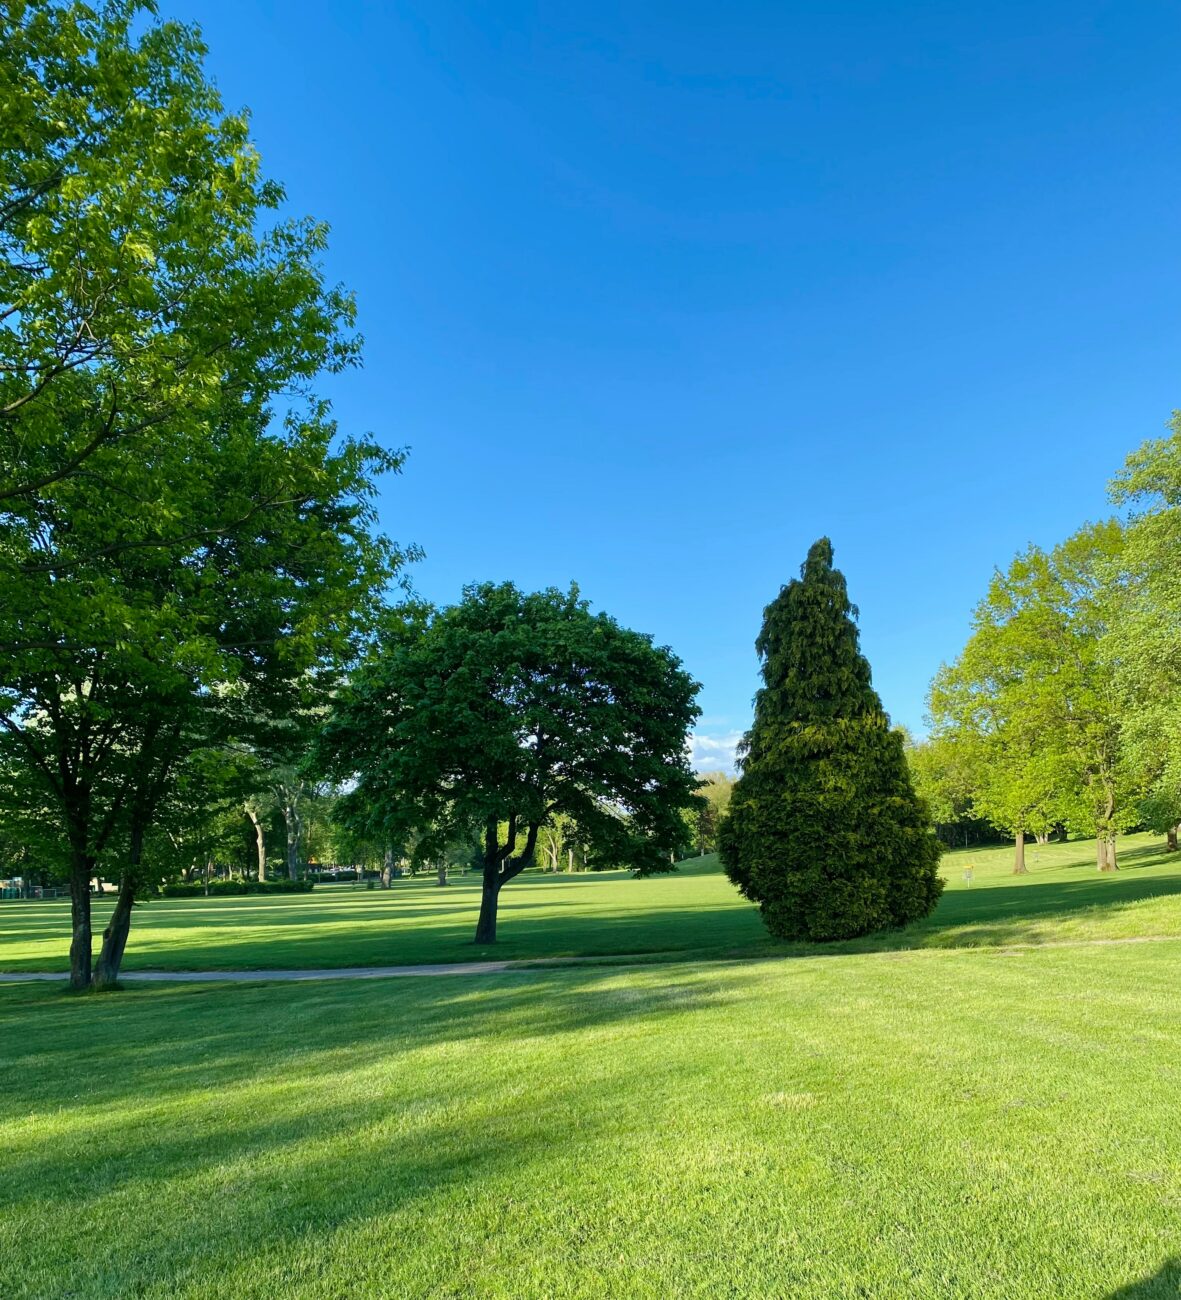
(825, 831)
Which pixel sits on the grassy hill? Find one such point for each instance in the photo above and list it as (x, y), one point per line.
(692, 912)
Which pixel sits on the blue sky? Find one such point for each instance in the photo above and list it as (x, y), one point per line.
(658, 293)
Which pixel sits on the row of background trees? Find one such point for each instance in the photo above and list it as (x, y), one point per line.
(1062, 714)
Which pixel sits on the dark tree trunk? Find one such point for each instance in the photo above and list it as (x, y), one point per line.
(1063, 834)
(1171, 839)
(500, 866)
(442, 869)
(1019, 867)
(110, 957)
(80, 936)
(489, 894)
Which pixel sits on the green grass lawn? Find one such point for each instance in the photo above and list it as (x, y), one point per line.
(929, 1123)
(695, 911)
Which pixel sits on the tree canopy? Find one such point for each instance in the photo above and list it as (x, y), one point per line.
(181, 525)
(505, 712)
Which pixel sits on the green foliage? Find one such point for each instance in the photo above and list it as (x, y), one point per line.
(500, 714)
(231, 888)
(184, 536)
(825, 831)
(1145, 644)
(1031, 709)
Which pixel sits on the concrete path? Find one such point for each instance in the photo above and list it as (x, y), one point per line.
(338, 973)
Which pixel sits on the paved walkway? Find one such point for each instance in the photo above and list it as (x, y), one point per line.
(535, 963)
(342, 972)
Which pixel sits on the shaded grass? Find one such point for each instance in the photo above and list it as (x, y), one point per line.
(914, 1124)
(695, 910)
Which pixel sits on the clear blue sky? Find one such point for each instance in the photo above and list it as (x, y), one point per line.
(660, 292)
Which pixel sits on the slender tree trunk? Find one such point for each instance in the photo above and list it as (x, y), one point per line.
(1171, 839)
(110, 957)
(442, 870)
(80, 933)
(486, 925)
(208, 874)
(260, 842)
(1042, 837)
(1019, 867)
(387, 868)
(291, 819)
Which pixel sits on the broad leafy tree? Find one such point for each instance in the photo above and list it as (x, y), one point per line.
(824, 830)
(508, 711)
(1033, 700)
(1145, 643)
(180, 523)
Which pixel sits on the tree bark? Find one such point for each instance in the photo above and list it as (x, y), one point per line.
(1171, 839)
(291, 820)
(110, 957)
(1019, 867)
(1110, 863)
(442, 870)
(387, 869)
(260, 842)
(80, 936)
(489, 892)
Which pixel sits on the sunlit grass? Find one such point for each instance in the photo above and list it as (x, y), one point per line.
(914, 1124)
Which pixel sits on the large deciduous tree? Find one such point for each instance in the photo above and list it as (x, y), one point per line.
(1033, 697)
(180, 523)
(507, 711)
(1145, 642)
(824, 830)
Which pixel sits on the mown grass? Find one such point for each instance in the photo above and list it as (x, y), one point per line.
(696, 911)
(972, 1123)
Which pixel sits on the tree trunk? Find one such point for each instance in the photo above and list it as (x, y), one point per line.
(1110, 863)
(208, 874)
(486, 925)
(80, 938)
(1019, 867)
(291, 819)
(260, 842)
(387, 869)
(442, 870)
(110, 957)
(1171, 839)
(1042, 837)
(1063, 834)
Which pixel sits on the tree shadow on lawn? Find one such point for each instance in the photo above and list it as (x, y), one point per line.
(249, 1118)
(1165, 1284)
(158, 1040)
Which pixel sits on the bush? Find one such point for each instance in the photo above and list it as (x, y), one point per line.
(232, 887)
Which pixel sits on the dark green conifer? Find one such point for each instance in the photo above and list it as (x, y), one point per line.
(825, 831)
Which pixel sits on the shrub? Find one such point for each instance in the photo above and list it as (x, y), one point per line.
(233, 887)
